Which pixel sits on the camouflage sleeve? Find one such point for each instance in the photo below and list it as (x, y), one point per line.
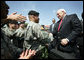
(5, 52)
(41, 35)
(7, 46)
(17, 33)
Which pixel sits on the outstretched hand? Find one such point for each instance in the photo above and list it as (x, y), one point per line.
(27, 54)
(17, 17)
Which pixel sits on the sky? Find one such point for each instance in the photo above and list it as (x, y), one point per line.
(47, 9)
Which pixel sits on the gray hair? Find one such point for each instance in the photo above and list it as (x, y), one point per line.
(61, 10)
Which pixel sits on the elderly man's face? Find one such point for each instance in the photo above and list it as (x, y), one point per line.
(4, 10)
(60, 14)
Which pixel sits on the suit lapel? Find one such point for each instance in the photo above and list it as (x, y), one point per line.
(57, 25)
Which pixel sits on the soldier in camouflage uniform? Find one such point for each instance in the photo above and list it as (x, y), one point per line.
(35, 38)
(20, 31)
(8, 50)
(19, 34)
(10, 31)
(10, 28)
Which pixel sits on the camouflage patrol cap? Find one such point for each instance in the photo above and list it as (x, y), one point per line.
(32, 12)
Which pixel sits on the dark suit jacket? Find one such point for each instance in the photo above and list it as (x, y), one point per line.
(70, 28)
(51, 28)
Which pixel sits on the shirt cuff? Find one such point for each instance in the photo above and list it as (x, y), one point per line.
(67, 39)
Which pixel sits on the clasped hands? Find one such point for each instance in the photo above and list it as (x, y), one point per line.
(64, 41)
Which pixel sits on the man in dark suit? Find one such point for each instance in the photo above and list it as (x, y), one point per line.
(52, 25)
(66, 30)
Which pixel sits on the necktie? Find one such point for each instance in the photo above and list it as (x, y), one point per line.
(60, 24)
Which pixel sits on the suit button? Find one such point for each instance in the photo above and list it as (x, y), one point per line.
(58, 37)
(58, 32)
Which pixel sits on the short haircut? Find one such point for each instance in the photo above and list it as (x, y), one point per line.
(62, 10)
(32, 12)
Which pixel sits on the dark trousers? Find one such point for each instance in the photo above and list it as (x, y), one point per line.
(56, 54)
(80, 44)
(81, 52)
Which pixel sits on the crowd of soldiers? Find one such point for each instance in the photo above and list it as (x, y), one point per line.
(23, 37)
(31, 35)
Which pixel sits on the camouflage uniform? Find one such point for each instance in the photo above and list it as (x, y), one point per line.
(8, 32)
(8, 50)
(12, 40)
(35, 38)
(19, 35)
(20, 32)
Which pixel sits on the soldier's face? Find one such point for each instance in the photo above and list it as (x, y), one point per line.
(36, 19)
(13, 26)
(16, 26)
(22, 25)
